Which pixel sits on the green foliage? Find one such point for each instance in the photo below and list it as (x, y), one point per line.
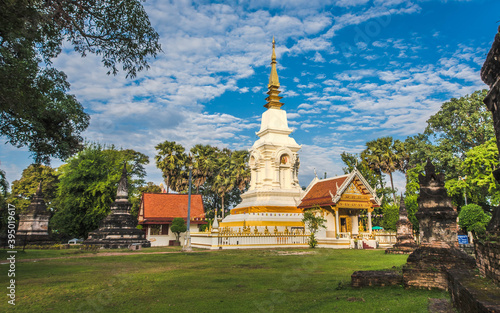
(472, 218)
(173, 162)
(24, 188)
(35, 109)
(219, 175)
(88, 184)
(313, 221)
(178, 226)
(478, 183)
(412, 192)
(391, 216)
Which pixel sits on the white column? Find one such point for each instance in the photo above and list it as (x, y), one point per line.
(355, 225)
(337, 222)
(369, 222)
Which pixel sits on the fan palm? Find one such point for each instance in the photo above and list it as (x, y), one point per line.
(170, 160)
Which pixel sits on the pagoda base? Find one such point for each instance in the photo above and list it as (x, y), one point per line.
(117, 238)
(426, 266)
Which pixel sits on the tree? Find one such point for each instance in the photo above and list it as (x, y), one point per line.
(412, 192)
(477, 179)
(390, 213)
(178, 226)
(88, 184)
(381, 156)
(223, 181)
(35, 109)
(204, 157)
(460, 125)
(314, 221)
(472, 218)
(171, 160)
(24, 188)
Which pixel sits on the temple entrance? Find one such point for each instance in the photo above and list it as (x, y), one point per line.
(343, 225)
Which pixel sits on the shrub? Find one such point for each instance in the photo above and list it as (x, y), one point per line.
(473, 218)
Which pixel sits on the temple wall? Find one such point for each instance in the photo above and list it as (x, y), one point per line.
(488, 259)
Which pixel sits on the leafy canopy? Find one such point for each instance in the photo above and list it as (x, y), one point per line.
(88, 184)
(35, 108)
(472, 218)
(24, 188)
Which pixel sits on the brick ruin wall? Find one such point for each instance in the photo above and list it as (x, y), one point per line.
(488, 259)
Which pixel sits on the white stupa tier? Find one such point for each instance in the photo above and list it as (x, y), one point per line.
(274, 191)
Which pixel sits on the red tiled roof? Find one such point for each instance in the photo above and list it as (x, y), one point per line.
(319, 194)
(167, 206)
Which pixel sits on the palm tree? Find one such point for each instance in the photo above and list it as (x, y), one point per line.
(223, 181)
(240, 169)
(381, 156)
(204, 157)
(170, 160)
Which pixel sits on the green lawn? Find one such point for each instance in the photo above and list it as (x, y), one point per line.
(220, 281)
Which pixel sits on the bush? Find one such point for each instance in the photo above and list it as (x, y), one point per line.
(391, 216)
(473, 218)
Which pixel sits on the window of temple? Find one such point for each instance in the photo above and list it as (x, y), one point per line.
(164, 229)
(154, 230)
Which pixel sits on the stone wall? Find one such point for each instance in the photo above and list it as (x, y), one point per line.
(470, 294)
(488, 259)
(376, 278)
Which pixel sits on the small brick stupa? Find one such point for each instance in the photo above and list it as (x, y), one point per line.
(34, 223)
(405, 242)
(118, 229)
(426, 266)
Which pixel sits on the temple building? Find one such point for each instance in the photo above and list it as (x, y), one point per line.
(274, 193)
(158, 210)
(341, 200)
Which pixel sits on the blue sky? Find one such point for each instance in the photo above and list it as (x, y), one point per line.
(350, 71)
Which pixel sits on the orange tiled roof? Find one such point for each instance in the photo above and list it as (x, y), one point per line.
(167, 206)
(319, 194)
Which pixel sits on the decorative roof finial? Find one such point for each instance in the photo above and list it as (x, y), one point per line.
(273, 100)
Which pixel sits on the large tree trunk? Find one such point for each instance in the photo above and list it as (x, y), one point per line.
(222, 207)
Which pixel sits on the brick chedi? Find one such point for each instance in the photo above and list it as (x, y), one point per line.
(426, 266)
(118, 229)
(34, 222)
(405, 242)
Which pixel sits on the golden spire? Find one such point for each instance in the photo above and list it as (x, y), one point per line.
(273, 99)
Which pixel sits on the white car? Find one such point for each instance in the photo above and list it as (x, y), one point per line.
(75, 241)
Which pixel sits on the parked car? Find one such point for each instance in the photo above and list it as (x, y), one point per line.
(75, 241)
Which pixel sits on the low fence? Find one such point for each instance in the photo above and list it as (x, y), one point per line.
(262, 240)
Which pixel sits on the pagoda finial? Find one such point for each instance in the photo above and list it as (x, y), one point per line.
(122, 191)
(38, 191)
(273, 100)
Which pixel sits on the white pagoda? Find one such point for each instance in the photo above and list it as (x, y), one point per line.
(270, 204)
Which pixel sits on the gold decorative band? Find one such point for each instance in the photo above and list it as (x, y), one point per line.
(267, 209)
(260, 223)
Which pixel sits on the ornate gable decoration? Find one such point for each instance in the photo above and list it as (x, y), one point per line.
(353, 189)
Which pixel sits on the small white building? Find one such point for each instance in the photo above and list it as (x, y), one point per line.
(158, 210)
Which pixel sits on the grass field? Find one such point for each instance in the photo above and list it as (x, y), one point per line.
(275, 280)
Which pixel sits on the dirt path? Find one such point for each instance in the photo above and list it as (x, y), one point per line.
(92, 255)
